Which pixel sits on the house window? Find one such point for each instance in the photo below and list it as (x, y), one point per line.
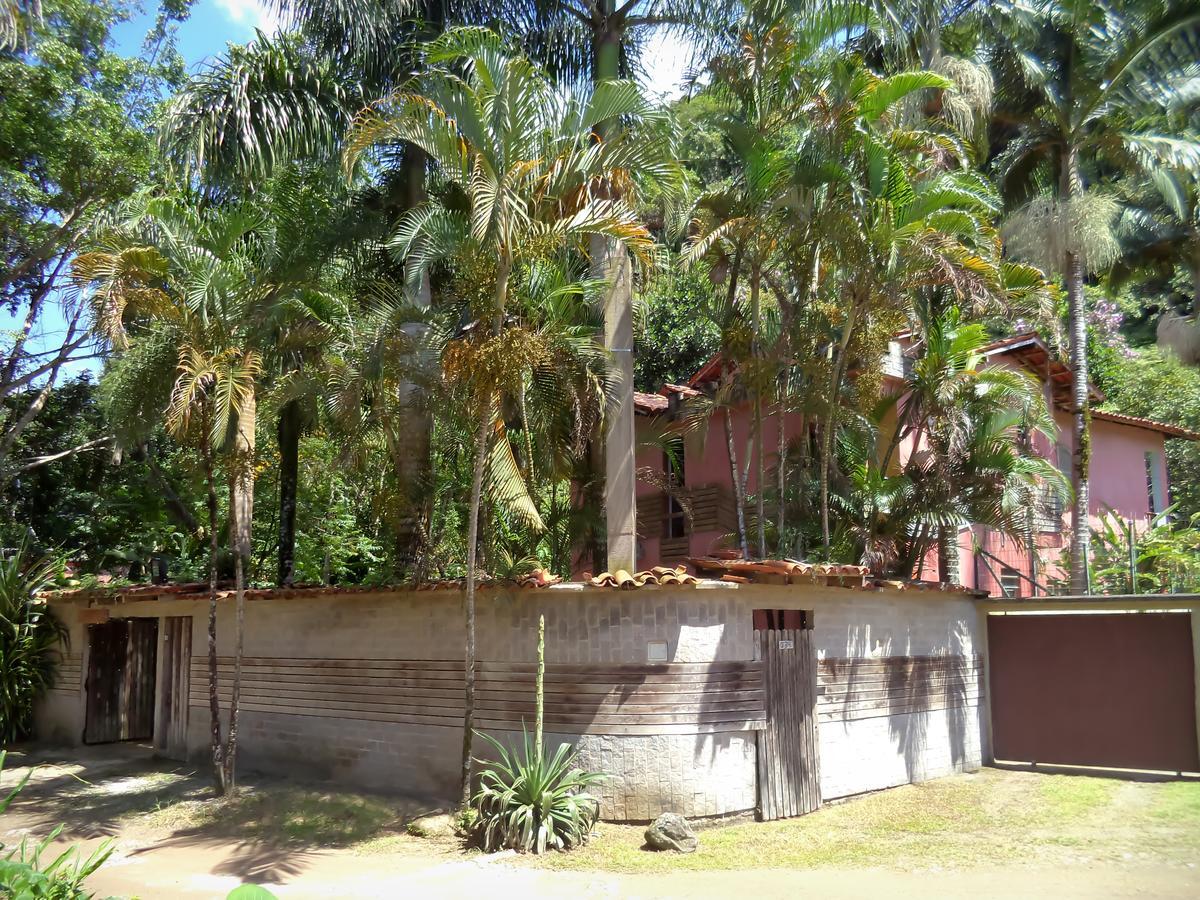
(1155, 494)
(1010, 581)
(673, 464)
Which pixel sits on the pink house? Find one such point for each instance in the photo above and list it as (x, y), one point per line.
(1128, 474)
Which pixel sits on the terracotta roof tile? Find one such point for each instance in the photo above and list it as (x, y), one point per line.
(659, 575)
(789, 571)
(1150, 424)
(649, 404)
(915, 585)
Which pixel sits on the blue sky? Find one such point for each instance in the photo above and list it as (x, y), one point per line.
(215, 23)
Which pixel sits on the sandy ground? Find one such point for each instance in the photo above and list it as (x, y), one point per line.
(156, 862)
(195, 872)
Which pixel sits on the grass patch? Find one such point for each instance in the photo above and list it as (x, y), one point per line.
(1177, 803)
(281, 815)
(990, 818)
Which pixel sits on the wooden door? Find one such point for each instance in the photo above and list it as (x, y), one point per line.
(171, 732)
(122, 654)
(788, 762)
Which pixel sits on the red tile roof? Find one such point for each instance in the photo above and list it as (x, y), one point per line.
(659, 575)
(790, 571)
(1149, 424)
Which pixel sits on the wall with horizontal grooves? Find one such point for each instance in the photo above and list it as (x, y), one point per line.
(681, 698)
(365, 688)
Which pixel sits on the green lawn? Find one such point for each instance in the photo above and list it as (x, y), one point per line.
(986, 818)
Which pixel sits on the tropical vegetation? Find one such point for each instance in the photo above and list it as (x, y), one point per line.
(357, 299)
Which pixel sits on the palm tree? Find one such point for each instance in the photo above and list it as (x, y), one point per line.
(1075, 80)
(971, 427)
(745, 223)
(262, 107)
(1159, 230)
(222, 283)
(530, 181)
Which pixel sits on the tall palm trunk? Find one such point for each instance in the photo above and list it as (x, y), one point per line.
(739, 499)
(830, 426)
(610, 261)
(481, 436)
(781, 462)
(241, 505)
(288, 436)
(481, 440)
(1071, 185)
(214, 703)
(756, 351)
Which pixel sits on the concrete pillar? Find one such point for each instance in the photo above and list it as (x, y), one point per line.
(620, 485)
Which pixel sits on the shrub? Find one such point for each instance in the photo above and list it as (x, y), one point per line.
(29, 638)
(533, 801)
(24, 875)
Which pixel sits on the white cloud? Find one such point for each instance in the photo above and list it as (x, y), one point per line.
(251, 13)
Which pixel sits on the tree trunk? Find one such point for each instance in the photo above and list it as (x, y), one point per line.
(610, 262)
(781, 463)
(756, 352)
(738, 499)
(289, 480)
(947, 546)
(1080, 413)
(830, 426)
(481, 436)
(481, 440)
(214, 704)
(241, 506)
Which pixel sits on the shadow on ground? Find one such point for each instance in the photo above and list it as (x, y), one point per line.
(267, 832)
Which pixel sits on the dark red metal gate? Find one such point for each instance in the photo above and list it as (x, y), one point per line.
(1106, 689)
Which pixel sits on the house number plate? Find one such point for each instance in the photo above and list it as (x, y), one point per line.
(786, 644)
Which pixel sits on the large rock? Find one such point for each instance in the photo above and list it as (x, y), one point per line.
(671, 832)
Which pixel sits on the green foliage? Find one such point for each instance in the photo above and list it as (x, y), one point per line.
(250, 892)
(25, 876)
(1163, 558)
(104, 511)
(30, 641)
(530, 802)
(680, 329)
(1155, 384)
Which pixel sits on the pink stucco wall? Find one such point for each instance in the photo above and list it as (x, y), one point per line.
(1118, 481)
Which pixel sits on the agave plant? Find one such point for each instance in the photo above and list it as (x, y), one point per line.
(531, 800)
(29, 639)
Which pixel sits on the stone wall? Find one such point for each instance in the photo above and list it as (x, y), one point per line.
(698, 770)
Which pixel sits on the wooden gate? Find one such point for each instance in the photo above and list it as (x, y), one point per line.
(788, 762)
(120, 684)
(171, 725)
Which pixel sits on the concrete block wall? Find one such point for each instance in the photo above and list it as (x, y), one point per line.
(699, 774)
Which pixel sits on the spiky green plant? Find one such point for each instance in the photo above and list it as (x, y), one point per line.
(531, 801)
(30, 637)
(22, 873)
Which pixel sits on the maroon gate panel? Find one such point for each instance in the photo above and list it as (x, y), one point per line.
(1094, 690)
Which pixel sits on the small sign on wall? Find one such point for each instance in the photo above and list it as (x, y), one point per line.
(93, 616)
(656, 651)
(787, 644)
